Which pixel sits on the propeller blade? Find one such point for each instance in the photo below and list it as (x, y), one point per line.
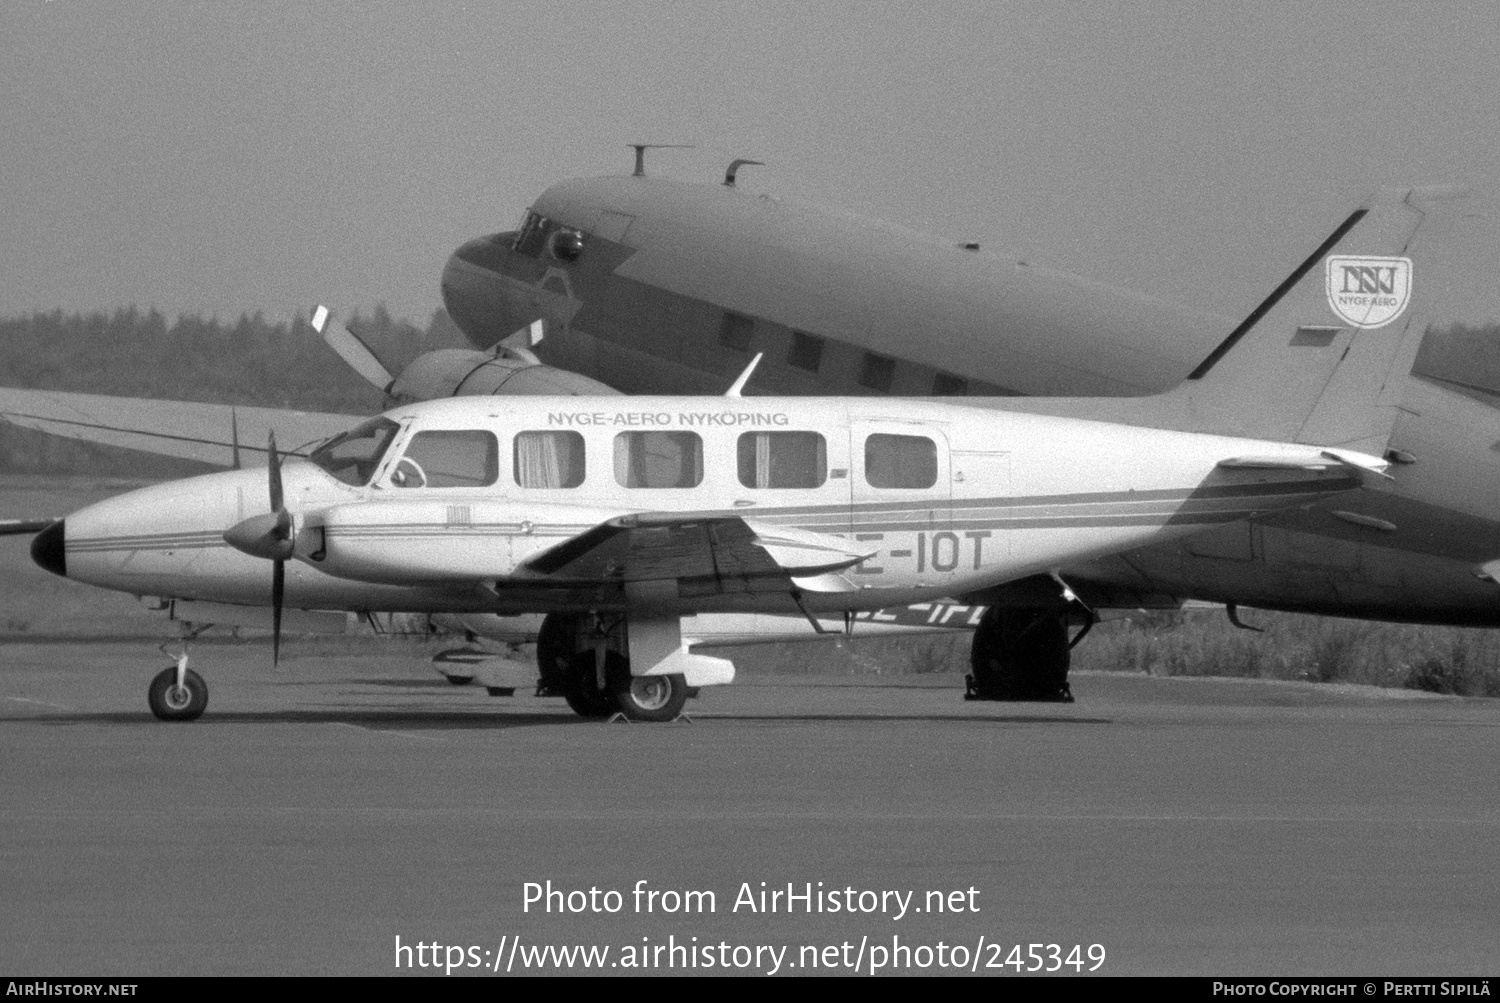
(356, 353)
(274, 468)
(278, 593)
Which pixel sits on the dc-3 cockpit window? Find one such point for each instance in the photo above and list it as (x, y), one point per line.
(443, 458)
(353, 456)
(658, 459)
(549, 459)
(783, 460)
(900, 461)
(532, 237)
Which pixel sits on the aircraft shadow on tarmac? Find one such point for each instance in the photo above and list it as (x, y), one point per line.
(392, 719)
(447, 720)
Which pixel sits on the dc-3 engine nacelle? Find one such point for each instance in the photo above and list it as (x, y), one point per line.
(458, 372)
(508, 370)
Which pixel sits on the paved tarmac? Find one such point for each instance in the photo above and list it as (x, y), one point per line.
(321, 811)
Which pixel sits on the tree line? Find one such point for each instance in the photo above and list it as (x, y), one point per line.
(253, 361)
(135, 353)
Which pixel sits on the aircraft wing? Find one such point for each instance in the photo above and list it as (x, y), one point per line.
(221, 434)
(712, 552)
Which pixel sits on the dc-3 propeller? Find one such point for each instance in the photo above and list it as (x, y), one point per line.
(271, 536)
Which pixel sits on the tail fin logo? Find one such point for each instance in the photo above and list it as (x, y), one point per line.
(1366, 291)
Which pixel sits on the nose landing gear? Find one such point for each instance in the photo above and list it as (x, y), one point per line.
(177, 693)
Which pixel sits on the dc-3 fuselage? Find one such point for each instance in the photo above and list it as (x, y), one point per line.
(674, 505)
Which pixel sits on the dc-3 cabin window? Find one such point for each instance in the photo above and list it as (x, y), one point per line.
(783, 460)
(549, 459)
(443, 458)
(878, 372)
(806, 352)
(658, 459)
(900, 461)
(736, 332)
(354, 456)
(944, 385)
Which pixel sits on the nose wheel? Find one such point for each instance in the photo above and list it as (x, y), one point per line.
(177, 693)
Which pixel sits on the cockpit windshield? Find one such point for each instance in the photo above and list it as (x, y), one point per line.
(353, 456)
(532, 237)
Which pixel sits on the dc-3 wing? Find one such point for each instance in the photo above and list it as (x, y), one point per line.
(724, 552)
(221, 434)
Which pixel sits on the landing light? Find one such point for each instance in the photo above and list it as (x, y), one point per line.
(567, 245)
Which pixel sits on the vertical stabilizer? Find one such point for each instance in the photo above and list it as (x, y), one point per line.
(1319, 361)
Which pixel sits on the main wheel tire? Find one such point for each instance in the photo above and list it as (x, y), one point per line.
(459, 680)
(1020, 654)
(555, 650)
(171, 702)
(649, 698)
(581, 686)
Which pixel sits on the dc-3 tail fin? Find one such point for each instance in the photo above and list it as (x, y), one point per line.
(1322, 359)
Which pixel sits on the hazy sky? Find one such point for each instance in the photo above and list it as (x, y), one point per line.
(220, 157)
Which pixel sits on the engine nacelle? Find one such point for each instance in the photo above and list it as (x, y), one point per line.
(461, 372)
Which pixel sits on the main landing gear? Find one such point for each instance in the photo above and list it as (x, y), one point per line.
(1022, 654)
(584, 658)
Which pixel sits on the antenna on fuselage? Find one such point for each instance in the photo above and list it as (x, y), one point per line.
(739, 384)
(640, 153)
(734, 169)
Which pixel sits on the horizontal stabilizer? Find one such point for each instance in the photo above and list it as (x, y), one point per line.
(1323, 459)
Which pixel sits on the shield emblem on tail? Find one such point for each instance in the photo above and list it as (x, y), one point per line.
(1368, 291)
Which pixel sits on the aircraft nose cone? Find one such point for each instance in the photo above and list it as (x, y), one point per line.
(47, 549)
(484, 301)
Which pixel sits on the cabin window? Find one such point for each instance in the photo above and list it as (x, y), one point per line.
(449, 459)
(806, 352)
(658, 459)
(549, 459)
(783, 460)
(735, 332)
(900, 461)
(982, 389)
(353, 456)
(878, 372)
(944, 385)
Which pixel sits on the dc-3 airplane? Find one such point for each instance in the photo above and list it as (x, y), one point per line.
(622, 515)
(655, 283)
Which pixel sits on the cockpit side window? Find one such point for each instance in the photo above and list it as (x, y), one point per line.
(444, 458)
(354, 456)
(532, 238)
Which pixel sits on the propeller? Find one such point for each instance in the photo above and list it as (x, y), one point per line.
(271, 536)
(360, 357)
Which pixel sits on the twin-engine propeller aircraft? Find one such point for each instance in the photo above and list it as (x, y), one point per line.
(620, 516)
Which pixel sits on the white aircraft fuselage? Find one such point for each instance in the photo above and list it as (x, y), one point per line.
(472, 504)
